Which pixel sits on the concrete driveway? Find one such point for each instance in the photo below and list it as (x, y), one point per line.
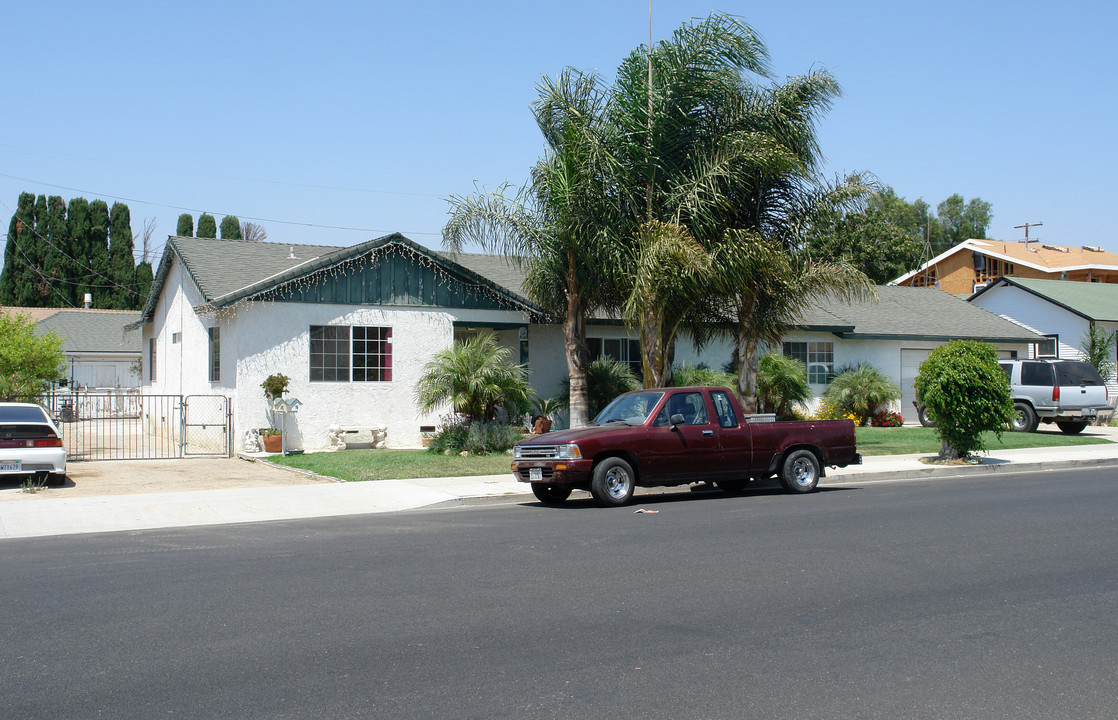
(90, 478)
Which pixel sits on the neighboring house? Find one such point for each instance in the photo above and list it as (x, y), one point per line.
(101, 351)
(970, 265)
(353, 327)
(1060, 310)
(896, 334)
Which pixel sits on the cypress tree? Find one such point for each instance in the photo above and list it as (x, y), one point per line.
(77, 219)
(186, 225)
(122, 265)
(230, 228)
(207, 226)
(40, 292)
(99, 273)
(56, 261)
(13, 278)
(142, 283)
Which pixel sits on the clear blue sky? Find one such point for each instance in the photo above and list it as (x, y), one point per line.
(367, 115)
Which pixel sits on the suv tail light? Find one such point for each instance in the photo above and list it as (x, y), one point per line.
(1055, 393)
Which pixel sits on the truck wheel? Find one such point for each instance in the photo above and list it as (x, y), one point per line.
(612, 483)
(800, 473)
(731, 486)
(1071, 428)
(922, 416)
(551, 494)
(1024, 418)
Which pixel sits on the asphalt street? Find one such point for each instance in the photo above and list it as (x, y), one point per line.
(980, 597)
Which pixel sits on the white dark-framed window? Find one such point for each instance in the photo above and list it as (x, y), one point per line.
(215, 354)
(819, 357)
(1049, 347)
(151, 359)
(621, 349)
(350, 353)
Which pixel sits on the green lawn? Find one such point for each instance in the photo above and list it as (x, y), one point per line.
(353, 465)
(909, 440)
(395, 464)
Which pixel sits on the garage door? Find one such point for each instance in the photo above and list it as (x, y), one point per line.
(910, 368)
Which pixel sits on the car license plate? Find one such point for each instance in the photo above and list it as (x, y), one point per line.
(535, 474)
(11, 466)
(1090, 412)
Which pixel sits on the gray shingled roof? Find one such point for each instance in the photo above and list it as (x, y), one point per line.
(910, 313)
(93, 331)
(228, 270)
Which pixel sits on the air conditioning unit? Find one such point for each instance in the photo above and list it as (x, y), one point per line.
(979, 286)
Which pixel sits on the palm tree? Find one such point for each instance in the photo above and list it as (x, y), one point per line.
(476, 378)
(556, 224)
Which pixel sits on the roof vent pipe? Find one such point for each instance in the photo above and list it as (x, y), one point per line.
(88, 300)
(291, 248)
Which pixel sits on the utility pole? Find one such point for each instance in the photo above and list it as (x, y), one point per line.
(1027, 226)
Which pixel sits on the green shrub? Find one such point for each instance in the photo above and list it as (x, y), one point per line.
(606, 378)
(781, 384)
(966, 393)
(690, 375)
(480, 438)
(861, 391)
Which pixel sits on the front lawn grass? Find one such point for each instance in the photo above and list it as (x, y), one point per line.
(352, 465)
(912, 440)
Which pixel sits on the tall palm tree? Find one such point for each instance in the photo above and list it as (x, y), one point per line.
(557, 224)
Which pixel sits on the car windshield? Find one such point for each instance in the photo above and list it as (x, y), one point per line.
(632, 408)
(21, 414)
(1077, 373)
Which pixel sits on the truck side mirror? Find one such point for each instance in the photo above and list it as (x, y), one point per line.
(676, 419)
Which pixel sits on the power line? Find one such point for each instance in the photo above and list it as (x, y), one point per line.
(195, 210)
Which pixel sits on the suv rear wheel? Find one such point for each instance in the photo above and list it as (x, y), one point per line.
(1024, 418)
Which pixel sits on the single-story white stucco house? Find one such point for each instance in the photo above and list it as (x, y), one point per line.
(353, 327)
(1060, 310)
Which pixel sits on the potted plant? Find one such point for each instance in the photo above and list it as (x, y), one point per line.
(271, 439)
(274, 387)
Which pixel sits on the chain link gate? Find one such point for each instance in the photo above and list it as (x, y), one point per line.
(123, 425)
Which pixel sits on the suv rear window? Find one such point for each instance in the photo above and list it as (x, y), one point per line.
(1036, 374)
(1077, 373)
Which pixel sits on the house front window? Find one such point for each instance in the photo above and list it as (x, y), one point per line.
(622, 350)
(151, 359)
(215, 354)
(344, 353)
(819, 357)
(1049, 347)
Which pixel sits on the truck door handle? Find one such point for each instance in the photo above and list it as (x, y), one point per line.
(708, 433)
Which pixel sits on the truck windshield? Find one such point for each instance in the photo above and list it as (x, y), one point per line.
(632, 408)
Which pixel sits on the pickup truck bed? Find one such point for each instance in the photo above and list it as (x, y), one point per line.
(677, 436)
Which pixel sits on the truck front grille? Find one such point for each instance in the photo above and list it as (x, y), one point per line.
(538, 452)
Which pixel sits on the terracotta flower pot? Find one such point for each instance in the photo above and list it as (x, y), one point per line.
(272, 443)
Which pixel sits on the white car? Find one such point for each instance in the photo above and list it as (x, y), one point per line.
(30, 444)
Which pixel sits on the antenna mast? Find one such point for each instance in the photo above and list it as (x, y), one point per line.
(1027, 226)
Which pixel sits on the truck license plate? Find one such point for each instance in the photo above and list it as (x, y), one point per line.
(535, 474)
(11, 466)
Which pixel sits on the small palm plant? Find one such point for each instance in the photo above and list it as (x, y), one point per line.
(476, 378)
(861, 390)
(606, 378)
(781, 384)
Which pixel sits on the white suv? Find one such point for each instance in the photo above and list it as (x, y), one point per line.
(1070, 393)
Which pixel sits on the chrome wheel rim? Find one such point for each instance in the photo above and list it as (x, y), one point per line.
(617, 483)
(803, 472)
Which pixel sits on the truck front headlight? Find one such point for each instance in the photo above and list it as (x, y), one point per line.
(567, 452)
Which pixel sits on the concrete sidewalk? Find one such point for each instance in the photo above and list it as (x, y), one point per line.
(64, 516)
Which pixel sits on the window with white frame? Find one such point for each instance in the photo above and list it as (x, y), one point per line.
(345, 353)
(151, 359)
(621, 349)
(819, 357)
(1049, 347)
(215, 354)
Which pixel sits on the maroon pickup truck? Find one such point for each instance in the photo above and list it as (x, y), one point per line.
(677, 436)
